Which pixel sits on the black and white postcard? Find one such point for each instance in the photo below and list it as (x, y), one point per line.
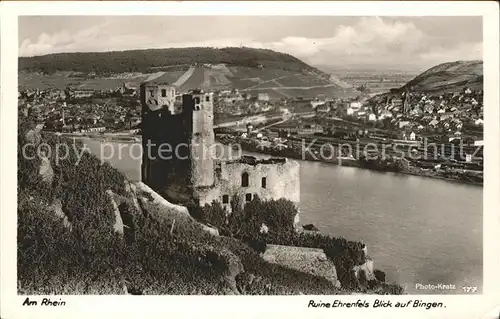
(330, 159)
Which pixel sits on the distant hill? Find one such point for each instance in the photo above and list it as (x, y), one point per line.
(442, 78)
(446, 77)
(154, 59)
(247, 69)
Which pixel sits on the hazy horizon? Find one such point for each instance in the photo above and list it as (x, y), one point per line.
(396, 43)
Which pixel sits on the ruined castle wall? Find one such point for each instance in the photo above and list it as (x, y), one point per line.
(169, 98)
(165, 168)
(282, 181)
(202, 150)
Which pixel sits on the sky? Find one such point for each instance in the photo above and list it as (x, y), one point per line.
(332, 42)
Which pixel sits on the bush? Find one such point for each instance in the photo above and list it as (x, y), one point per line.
(259, 245)
(246, 222)
(214, 214)
(379, 275)
(363, 281)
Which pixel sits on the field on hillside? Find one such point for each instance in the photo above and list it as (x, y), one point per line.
(321, 92)
(256, 73)
(61, 80)
(307, 80)
(251, 80)
(188, 68)
(376, 81)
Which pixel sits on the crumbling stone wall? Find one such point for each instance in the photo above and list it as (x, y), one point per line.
(282, 180)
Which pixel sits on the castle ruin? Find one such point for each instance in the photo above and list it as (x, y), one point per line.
(179, 160)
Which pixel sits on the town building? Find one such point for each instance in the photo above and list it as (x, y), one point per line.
(317, 102)
(249, 128)
(94, 129)
(385, 114)
(263, 97)
(81, 93)
(232, 97)
(129, 88)
(179, 159)
(396, 102)
(403, 124)
(322, 108)
(355, 106)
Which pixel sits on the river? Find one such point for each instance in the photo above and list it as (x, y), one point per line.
(418, 230)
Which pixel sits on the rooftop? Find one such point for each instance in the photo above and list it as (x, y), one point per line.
(155, 83)
(252, 160)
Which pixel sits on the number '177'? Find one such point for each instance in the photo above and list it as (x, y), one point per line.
(469, 289)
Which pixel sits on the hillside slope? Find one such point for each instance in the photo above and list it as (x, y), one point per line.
(447, 77)
(155, 59)
(251, 70)
(84, 229)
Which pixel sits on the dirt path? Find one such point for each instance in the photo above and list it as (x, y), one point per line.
(183, 79)
(290, 87)
(267, 81)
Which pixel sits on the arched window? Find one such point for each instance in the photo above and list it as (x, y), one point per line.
(244, 179)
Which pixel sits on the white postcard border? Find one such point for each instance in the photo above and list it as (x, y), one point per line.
(464, 306)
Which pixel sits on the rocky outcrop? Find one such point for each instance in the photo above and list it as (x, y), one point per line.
(367, 267)
(138, 197)
(33, 136)
(118, 226)
(144, 194)
(145, 191)
(210, 230)
(56, 207)
(131, 190)
(228, 262)
(309, 260)
(46, 171)
(310, 227)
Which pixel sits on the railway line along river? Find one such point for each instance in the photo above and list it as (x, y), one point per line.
(426, 234)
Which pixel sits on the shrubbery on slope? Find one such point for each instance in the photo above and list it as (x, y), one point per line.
(156, 256)
(278, 217)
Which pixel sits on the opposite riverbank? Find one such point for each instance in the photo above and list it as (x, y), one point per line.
(403, 167)
(394, 165)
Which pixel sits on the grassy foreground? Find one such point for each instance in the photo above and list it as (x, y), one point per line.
(67, 243)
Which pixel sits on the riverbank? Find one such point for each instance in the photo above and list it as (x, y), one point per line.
(402, 168)
(295, 153)
(106, 137)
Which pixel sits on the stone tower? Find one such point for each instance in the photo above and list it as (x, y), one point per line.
(202, 140)
(178, 139)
